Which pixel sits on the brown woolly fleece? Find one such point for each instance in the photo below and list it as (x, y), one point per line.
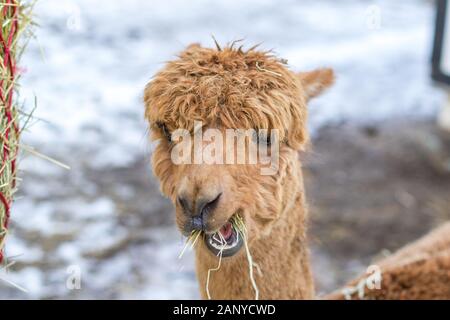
(228, 88)
(420, 270)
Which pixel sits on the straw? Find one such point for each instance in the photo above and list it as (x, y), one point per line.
(15, 23)
(239, 225)
(223, 242)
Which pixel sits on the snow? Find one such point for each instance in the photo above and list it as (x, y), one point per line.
(87, 70)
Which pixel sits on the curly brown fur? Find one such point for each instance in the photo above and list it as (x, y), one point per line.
(420, 270)
(232, 88)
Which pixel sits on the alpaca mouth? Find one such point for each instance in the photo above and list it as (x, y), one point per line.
(226, 242)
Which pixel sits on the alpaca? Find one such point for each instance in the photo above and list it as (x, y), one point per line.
(229, 88)
(232, 88)
(420, 270)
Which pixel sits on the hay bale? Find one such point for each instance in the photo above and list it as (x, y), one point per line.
(14, 22)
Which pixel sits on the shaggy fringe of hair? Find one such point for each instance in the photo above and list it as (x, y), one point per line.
(230, 87)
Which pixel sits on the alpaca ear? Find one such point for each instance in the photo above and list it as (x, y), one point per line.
(316, 81)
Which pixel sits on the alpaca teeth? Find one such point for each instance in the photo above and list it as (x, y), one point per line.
(215, 237)
(219, 245)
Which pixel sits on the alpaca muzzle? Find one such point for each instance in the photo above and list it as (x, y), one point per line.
(197, 211)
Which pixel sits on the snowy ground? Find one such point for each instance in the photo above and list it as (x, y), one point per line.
(88, 69)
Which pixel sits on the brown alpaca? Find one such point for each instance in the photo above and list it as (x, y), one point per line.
(230, 88)
(420, 270)
(234, 89)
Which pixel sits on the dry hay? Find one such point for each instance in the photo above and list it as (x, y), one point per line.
(15, 22)
(237, 223)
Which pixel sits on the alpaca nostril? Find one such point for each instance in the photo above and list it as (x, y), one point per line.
(206, 206)
(184, 204)
(197, 219)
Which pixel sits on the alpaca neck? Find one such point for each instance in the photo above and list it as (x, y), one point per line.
(282, 263)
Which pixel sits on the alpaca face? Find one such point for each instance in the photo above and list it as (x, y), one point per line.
(207, 196)
(251, 94)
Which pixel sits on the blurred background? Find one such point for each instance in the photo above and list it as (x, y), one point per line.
(375, 178)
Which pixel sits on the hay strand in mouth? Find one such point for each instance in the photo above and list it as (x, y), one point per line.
(240, 226)
(191, 240)
(223, 242)
(195, 239)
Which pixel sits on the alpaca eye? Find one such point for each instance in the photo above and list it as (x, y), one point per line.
(262, 137)
(165, 131)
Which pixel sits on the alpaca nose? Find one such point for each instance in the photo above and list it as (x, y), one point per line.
(198, 209)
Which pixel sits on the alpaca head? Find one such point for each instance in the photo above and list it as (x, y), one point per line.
(200, 105)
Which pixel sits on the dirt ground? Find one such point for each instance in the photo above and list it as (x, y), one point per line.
(372, 189)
